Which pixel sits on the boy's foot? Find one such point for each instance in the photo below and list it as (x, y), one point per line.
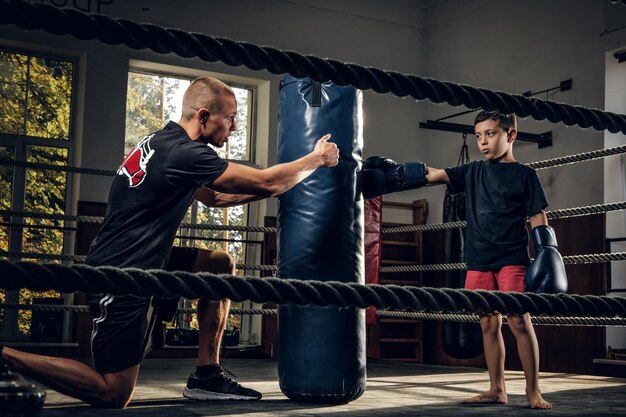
(537, 402)
(218, 386)
(489, 397)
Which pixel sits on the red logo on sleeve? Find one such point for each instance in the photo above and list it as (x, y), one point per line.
(135, 165)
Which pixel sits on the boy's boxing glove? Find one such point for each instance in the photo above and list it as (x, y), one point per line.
(397, 177)
(547, 273)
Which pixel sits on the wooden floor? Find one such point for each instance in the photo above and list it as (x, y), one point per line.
(393, 389)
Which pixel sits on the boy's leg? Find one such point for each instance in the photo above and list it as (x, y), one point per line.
(73, 378)
(528, 350)
(511, 278)
(493, 343)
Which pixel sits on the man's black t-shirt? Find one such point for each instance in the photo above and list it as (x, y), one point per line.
(149, 198)
(499, 199)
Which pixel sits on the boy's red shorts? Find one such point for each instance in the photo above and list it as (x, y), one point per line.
(509, 278)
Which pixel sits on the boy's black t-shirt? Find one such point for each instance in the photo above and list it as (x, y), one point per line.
(153, 188)
(499, 199)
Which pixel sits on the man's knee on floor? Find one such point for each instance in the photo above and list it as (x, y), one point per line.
(114, 397)
(117, 389)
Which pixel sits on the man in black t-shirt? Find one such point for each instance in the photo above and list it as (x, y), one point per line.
(149, 197)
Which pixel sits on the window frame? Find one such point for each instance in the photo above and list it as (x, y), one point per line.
(153, 68)
(20, 144)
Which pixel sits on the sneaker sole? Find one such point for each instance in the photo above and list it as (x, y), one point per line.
(198, 394)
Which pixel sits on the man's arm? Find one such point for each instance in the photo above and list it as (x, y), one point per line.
(273, 181)
(212, 198)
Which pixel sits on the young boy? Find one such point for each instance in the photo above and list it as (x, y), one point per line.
(500, 195)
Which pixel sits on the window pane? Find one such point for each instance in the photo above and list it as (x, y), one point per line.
(45, 192)
(36, 96)
(6, 185)
(13, 92)
(151, 101)
(49, 98)
(234, 216)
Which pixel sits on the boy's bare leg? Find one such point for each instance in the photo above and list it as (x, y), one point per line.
(76, 379)
(528, 350)
(494, 355)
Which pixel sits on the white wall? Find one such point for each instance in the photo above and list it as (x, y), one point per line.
(615, 185)
(517, 46)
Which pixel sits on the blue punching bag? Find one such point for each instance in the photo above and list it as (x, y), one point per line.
(320, 237)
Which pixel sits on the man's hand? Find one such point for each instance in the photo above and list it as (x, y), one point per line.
(327, 152)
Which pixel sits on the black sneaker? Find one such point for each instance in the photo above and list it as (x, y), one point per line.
(218, 386)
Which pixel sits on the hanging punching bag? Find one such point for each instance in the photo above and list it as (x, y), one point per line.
(320, 237)
(460, 340)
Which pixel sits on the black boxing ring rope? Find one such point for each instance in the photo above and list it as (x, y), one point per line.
(467, 318)
(548, 163)
(106, 279)
(567, 260)
(554, 214)
(33, 16)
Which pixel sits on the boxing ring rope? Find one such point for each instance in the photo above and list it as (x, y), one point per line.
(554, 214)
(74, 308)
(548, 163)
(110, 31)
(572, 159)
(567, 260)
(466, 318)
(554, 162)
(100, 219)
(106, 279)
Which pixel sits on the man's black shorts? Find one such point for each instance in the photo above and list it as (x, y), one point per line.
(122, 325)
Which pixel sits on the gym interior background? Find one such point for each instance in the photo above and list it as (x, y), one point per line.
(515, 46)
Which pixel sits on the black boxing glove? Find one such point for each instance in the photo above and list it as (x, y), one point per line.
(398, 177)
(373, 182)
(547, 273)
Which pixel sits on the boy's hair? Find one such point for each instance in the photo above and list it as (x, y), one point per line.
(506, 121)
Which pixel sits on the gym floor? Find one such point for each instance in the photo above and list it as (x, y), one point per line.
(393, 389)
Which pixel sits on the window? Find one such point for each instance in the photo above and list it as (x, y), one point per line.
(35, 126)
(153, 99)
